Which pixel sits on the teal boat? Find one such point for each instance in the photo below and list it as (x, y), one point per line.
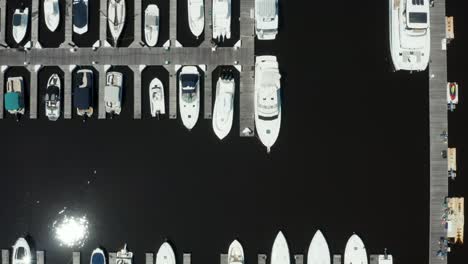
(14, 96)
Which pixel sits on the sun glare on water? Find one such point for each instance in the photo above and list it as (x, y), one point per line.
(71, 231)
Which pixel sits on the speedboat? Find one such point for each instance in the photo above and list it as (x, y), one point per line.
(20, 24)
(52, 98)
(223, 112)
(51, 14)
(318, 253)
(189, 96)
(98, 257)
(196, 16)
(80, 16)
(267, 100)
(113, 93)
(156, 95)
(165, 254)
(266, 19)
(410, 35)
(355, 252)
(221, 19)
(14, 96)
(116, 18)
(235, 253)
(280, 250)
(452, 93)
(124, 256)
(83, 93)
(151, 25)
(21, 252)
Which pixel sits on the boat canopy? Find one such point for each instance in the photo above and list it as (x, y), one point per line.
(83, 98)
(112, 94)
(266, 8)
(189, 81)
(12, 101)
(17, 19)
(80, 13)
(98, 259)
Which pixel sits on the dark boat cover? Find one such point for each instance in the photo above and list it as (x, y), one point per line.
(98, 259)
(80, 13)
(83, 98)
(189, 80)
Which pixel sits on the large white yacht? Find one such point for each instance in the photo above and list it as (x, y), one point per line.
(355, 252)
(80, 16)
(113, 93)
(223, 111)
(409, 34)
(266, 19)
(116, 17)
(156, 96)
(165, 254)
(267, 100)
(151, 25)
(221, 19)
(189, 96)
(280, 250)
(20, 24)
(318, 253)
(196, 16)
(21, 252)
(235, 253)
(52, 14)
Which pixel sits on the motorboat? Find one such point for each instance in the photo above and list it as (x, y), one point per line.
(156, 95)
(20, 24)
(355, 252)
(52, 14)
(410, 34)
(452, 95)
(52, 98)
(165, 254)
(223, 112)
(98, 257)
(14, 96)
(221, 19)
(236, 253)
(267, 100)
(116, 18)
(318, 253)
(151, 25)
(80, 16)
(266, 19)
(280, 250)
(124, 256)
(189, 96)
(196, 16)
(84, 93)
(21, 252)
(113, 93)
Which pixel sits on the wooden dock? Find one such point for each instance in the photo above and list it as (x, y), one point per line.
(438, 124)
(2, 23)
(35, 25)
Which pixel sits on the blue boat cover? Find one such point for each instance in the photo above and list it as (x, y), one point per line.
(12, 101)
(98, 258)
(80, 13)
(83, 98)
(189, 80)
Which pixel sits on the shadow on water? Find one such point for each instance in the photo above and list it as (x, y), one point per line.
(163, 6)
(11, 6)
(127, 93)
(147, 75)
(42, 79)
(46, 37)
(76, 82)
(24, 73)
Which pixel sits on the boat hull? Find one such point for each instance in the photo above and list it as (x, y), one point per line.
(223, 111)
(196, 16)
(236, 253)
(19, 31)
(116, 18)
(280, 251)
(355, 252)
(52, 14)
(318, 253)
(151, 29)
(26, 258)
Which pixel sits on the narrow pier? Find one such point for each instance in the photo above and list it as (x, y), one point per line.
(208, 98)
(35, 24)
(438, 124)
(149, 258)
(102, 69)
(68, 25)
(173, 22)
(136, 90)
(172, 91)
(5, 256)
(33, 87)
(76, 258)
(3, 24)
(2, 88)
(208, 23)
(103, 23)
(67, 90)
(139, 13)
(40, 257)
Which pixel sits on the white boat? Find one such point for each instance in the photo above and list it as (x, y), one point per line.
(355, 252)
(20, 24)
(151, 25)
(236, 253)
(124, 256)
(52, 98)
(266, 19)
(189, 96)
(280, 250)
(80, 16)
(165, 254)
(318, 253)
(410, 34)
(156, 95)
(52, 14)
(113, 93)
(98, 257)
(196, 16)
(221, 19)
(116, 18)
(223, 111)
(21, 252)
(267, 100)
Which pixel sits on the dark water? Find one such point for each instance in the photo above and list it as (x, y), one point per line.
(352, 155)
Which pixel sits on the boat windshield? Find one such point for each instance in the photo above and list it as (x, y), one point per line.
(16, 19)
(53, 93)
(153, 20)
(189, 91)
(20, 253)
(418, 18)
(80, 13)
